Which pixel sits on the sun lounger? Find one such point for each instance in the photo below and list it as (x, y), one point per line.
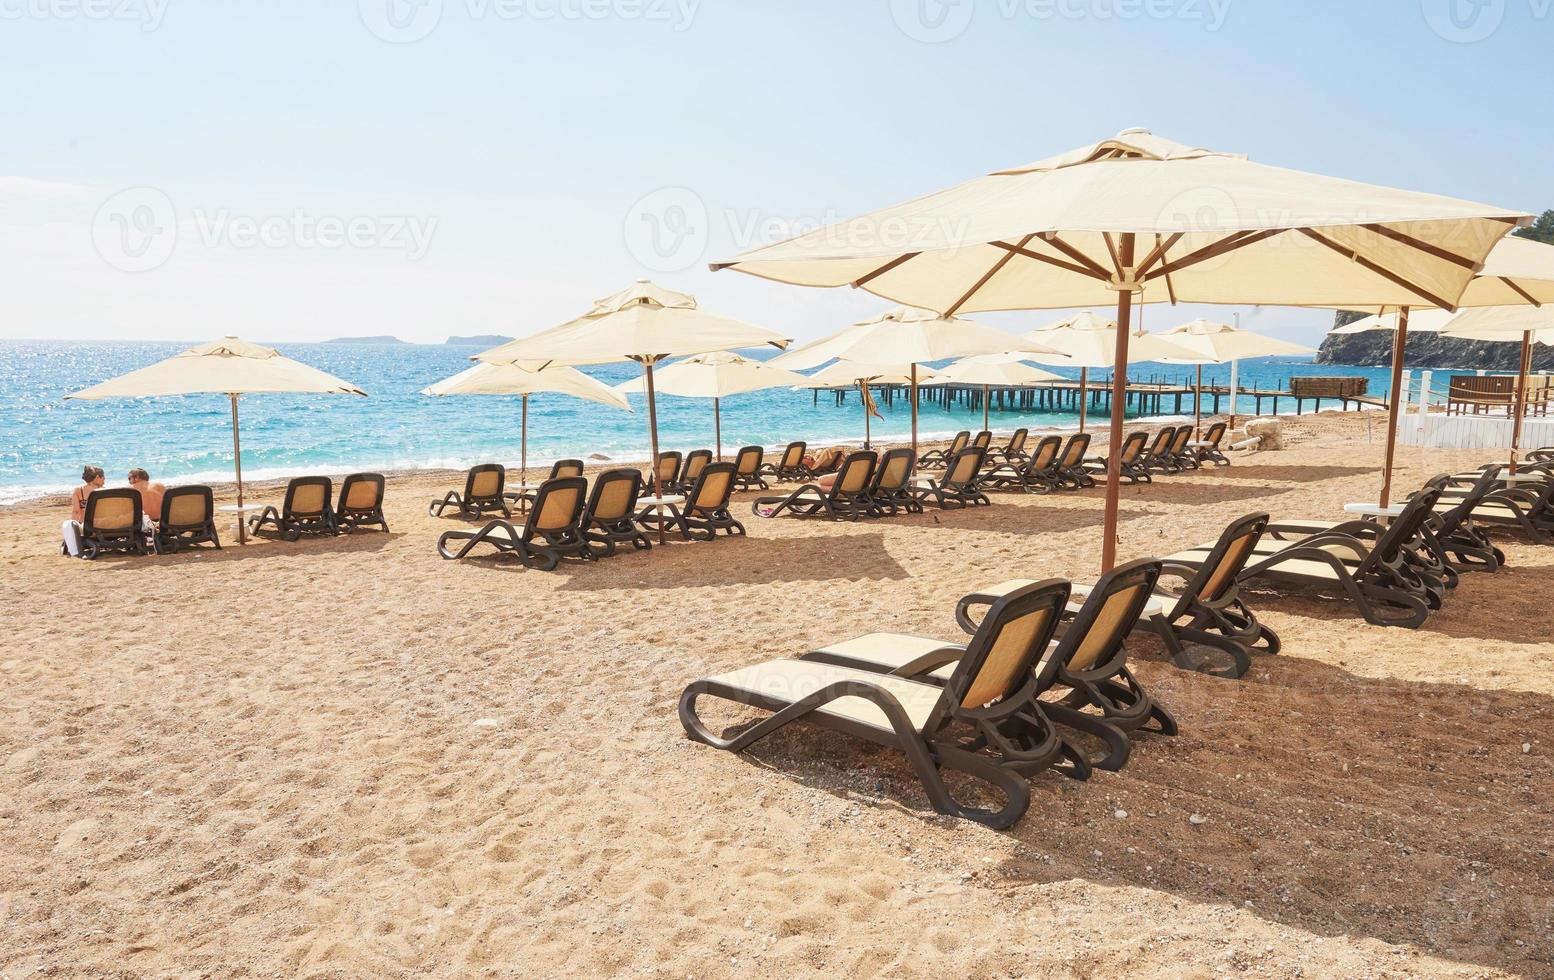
(668, 473)
(938, 459)
(958, 486)
(848, 498)
(1033, 474)
(483, 486)
(1012, 451)
(361, 503)
(113, 522)
(188, 518)
(1208, 449)
(1185, 457)
(747, 469)
(890, 492)
(695, 461)
(305, 509)
(1102, 698)
(983, 719)
(790, 466)
(1069, 473)
(983, 441)
(609, 519)
(1206, 610)
(705, 511)
(1131, 461)
(560, 469)
(1376, 576)
(1159, 459)
(553, 529)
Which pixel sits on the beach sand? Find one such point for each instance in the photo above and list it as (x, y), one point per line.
(348, 757)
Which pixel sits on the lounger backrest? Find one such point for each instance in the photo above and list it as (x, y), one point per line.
(1133, 446)
(694, 464)
(558, 504)
(614, 495)
(983, 440)
(485, 482)
(1017, 441)
(1162, 444)
(112, 510)
(1404, 528)
(566, 467)
(793, 455)
(959, 442)
(187, 507)
(1215, 433)
(965, 466)
(895, 469)
(1046, 451)
(361, 492)
(1074, 452)
(1095, 636)
(308, 496)
(1181, 439)
(668, 466)
(1448, 521)
(749, 460)
(1236, 545)
(857, 469)
(713, 487)
(1000, 659)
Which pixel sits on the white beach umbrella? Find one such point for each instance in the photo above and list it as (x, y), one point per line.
(855, 374)
(717, 376)
(1087, 341)
(514, 379)
(910, 337)
(1141, 219)
(992, 371)
(1208, 342)
(230, 367)
(644, 323)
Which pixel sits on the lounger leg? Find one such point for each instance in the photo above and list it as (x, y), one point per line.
(1117, 745)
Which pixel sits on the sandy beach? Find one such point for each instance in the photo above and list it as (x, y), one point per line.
(350, 758)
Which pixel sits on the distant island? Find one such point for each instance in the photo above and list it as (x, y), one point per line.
(365, 340)
(478, 340)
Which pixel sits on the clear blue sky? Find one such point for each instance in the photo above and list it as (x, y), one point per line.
(500, 172)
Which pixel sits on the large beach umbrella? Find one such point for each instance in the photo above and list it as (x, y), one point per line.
(643, 323)
(1142, 219)
(230, 367)
(1090, 341)
(1208, 342)
(853, 374)
(716, 375)
(992, 371)
(909, 337)
(514, 379)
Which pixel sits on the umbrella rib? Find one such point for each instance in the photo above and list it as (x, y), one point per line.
(1520, 291)
(1050, 260)
(1378, 269)
(1424, 247)
(1160, 249)
(856, 283)
(998, 266)
(1229, 243)
(1111, 249)
(1051, 238)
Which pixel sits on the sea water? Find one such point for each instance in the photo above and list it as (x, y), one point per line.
(45, 439)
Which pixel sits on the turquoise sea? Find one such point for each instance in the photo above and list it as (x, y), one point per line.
(45, 440)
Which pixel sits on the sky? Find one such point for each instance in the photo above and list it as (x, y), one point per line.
(293, 170)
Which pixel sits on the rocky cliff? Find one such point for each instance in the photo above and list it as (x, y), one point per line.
(1426, 350)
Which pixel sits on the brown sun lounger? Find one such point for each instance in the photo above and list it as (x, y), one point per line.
(958, 487)
(113, 522)
(1159, 459)
(553, 529)
(848, 498)
(483, 487)
(1207, 449)
(610, 516)
(695, 461)
(1130, 461)
(890, 492)
(983, 719)
(1012, 451)
(188, 518)
(305, 509)
(747, 469)
(790, 466)
(560, 469)
(361, 503)
(1035, 473)
(1098, 695)
(983, 441)
(938, 459)
(1185, 457)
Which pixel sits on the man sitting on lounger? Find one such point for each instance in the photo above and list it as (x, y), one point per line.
(151, 495)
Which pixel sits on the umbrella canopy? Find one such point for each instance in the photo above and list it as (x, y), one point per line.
(906, 335)
(230, 367)
(1089, 341)
(992, 371)
(644, 323)
(514, 379)
(1207, 342)
(1138, 218)
(845, 374)
(716, 375)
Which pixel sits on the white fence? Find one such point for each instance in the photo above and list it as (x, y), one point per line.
(1441, 431)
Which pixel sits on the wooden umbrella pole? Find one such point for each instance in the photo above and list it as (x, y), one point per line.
(1084, 379)
(717, 427)
(523, 446)
(1197, 407)
(985, 391)
(914, 410)
(237, 465)
(1396, 399)
(863, 392)
(658, 484)
(1523, 370)
(1119, 394)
